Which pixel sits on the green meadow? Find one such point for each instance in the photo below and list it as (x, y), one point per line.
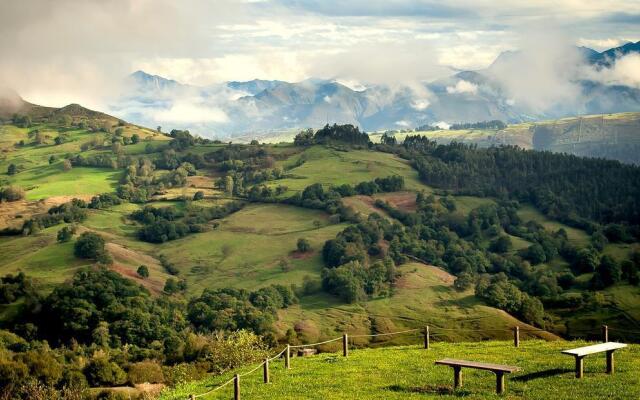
(409, 372)
(329, 166)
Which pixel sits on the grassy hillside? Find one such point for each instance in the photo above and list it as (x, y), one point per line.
(424, 295)
(319, 164)
(614, 136)
(409, 373)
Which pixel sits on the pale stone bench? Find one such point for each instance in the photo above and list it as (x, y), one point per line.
(497, 369)
(582, 352)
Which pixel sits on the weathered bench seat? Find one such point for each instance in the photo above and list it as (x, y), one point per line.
(581, 352)
(497, 369)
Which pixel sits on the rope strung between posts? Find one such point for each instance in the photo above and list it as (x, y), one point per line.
(431, 333)
(278, 355)
(252, 371)
(212, 390)
(315, 344)
(385, 334)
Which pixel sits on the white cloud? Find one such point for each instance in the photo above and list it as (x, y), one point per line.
(625, 71)
(187, 112)
(403, 123)
(463, 86)
(420, 104)
(442, 125)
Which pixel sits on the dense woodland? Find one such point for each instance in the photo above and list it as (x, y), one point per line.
(101, 329)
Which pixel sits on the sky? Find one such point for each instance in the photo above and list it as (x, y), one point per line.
(63, 51)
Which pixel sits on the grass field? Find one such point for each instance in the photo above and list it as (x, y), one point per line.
(332, 167)
(253, 247)
(408, 372)
(424, 295)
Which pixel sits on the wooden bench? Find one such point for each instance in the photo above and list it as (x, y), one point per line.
(497, 369)
(581, 352)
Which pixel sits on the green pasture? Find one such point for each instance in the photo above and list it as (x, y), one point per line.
(333, 167)
(253, 247)
(409, 372)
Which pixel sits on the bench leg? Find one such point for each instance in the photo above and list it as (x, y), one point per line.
(457, 377)
(610, 362)
(499, 382)
(579, 367)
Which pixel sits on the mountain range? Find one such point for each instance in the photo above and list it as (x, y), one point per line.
(516, 87)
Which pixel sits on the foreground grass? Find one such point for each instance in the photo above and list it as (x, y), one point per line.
(409, 372)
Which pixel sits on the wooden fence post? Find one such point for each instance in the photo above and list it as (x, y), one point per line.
(516, 336)
(287, 357)
(426, 337)
(236, 387)
(345, 345)
(265, 371)
(605, 333)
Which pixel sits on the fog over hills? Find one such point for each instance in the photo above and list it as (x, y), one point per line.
(516, 87)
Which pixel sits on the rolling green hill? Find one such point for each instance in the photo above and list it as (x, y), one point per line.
(221, 225)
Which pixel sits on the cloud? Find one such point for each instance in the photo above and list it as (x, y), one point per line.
(420, 104)
(403, 123)
(442, 125)
(190, 112)
(66, 51)
(541, 75)
(359, 8)
(625, 71)
(58, 52)
(463, 86)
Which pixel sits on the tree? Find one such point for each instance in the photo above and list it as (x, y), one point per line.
(199, 195)
(254, 142)
(135, 138)
(609, 272)
(101, 371)
(89, 245)
(65, 120)
(228, 185)
(116, 148)
(586, 260)
(12, 169)
(159, 128)
(143, 271)
(303, 245)
(501, 245)
(66, 165)
(41, 138)
(304, 138)
(52, 159)
(463, 282)
(65, 234)
(535, 253)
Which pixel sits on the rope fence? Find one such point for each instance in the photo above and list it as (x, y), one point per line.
(425, 332)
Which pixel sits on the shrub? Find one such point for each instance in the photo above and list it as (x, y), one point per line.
(199, 195)
(102, 371)
(145, 372)
(143, 271)
(303, 245)
(89, 245)
(11, 193)
(65, 234)
(12, 169)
